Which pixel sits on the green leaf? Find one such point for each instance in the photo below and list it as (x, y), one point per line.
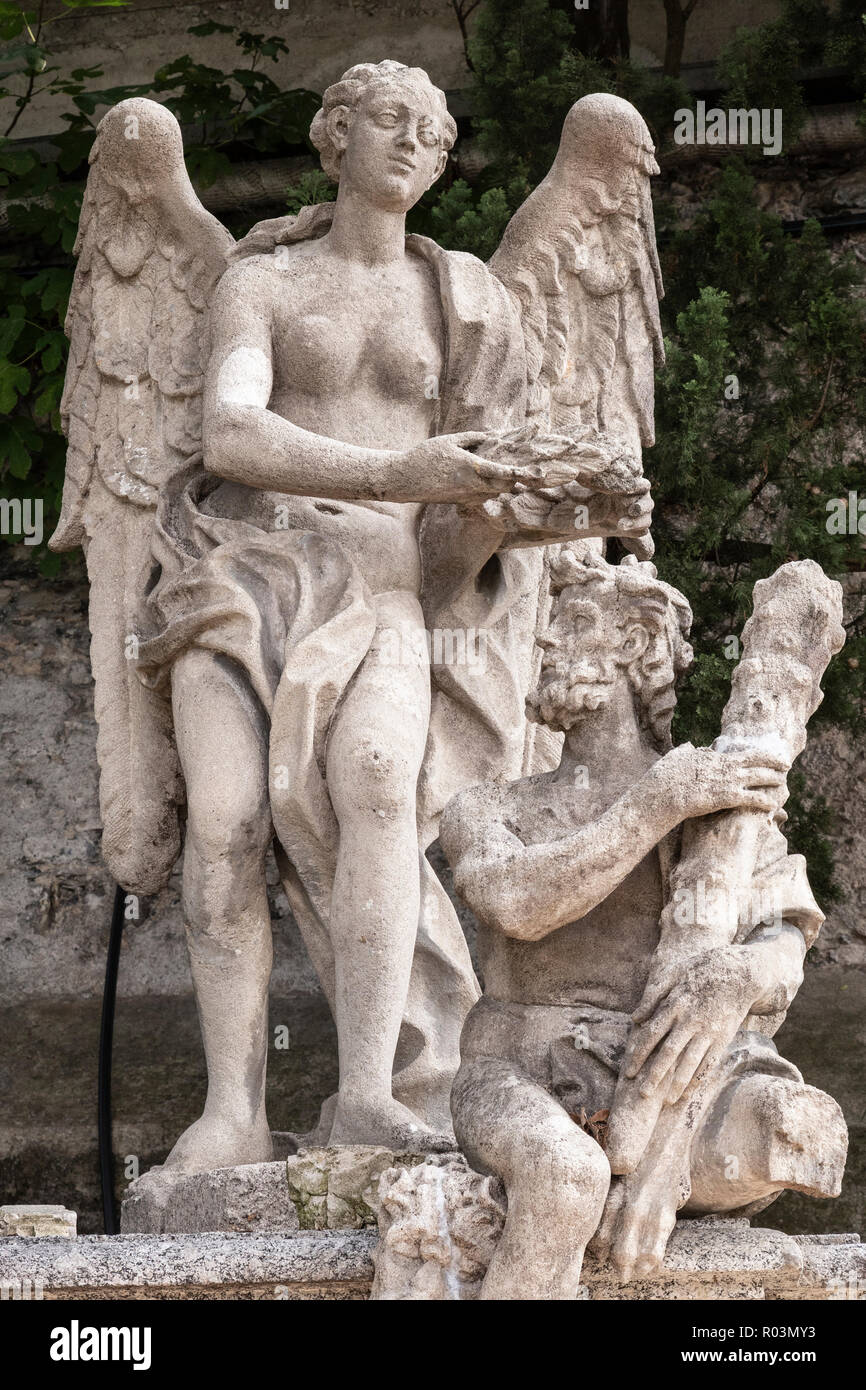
(53, 354)
(11, 329)
(11, 20)
(18, 438)
(48, 399)
(14, 382)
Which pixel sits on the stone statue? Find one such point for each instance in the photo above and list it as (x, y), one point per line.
(296, 464)
(643, 930)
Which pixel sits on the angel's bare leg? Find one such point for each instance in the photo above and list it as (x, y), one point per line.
(763, 1134)
(374, 756)
(222, 740)
(556, 1178)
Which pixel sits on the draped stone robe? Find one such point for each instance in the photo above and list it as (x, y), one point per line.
(291, 608)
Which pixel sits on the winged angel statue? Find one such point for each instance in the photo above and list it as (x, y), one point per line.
(316, 473)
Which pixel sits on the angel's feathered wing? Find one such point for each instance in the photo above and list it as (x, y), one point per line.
(580, 258)
(149, 256)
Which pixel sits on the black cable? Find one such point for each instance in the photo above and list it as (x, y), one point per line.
(103, 1082)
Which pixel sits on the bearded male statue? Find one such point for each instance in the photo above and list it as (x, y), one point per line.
(607, 994)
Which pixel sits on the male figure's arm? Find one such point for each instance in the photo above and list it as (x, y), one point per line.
(528, 891)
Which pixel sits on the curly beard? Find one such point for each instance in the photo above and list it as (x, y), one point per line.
(560, 701)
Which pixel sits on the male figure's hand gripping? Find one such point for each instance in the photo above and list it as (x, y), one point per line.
(688, 1016)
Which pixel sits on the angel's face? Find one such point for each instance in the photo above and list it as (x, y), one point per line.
(392, 143)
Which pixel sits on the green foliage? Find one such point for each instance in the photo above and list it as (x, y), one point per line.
(763, 67)
(464, 220)
(528, 71)
(521, 89)
(243, 109)
(759, 68)
(810, 822)
(311, 188)
(743, 484)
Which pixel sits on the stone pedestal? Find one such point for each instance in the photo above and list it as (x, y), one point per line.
(306, 1229)
(313, 1190)
(706, 1260)
(253, 1199)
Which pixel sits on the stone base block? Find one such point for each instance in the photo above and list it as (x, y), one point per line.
(252, 1199)
(312, 1190)
(338, 1188)
(38, 1221)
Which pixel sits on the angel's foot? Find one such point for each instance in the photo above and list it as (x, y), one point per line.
(319, 1136)
(386, 1124)
(216, 1141)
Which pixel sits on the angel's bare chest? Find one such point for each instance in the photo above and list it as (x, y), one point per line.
(350, 330)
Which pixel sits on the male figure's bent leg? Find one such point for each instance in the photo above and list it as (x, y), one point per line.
(222, 741)
(556, 1178)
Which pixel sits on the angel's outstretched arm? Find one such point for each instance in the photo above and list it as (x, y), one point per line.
(247, 442)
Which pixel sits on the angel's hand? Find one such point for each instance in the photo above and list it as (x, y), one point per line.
(449, 469)
(540, 459)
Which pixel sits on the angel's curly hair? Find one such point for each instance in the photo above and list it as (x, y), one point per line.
(632, 592)
(348, 91)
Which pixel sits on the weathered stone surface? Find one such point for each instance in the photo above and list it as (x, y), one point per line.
(37, 1221)
(329, 1264)
(338, 1265)
(335, 1188)
(439, 1224)
(254, 1198)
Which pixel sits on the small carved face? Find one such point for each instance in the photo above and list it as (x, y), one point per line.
(586, 647)
(578, 666)
(392, 142)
